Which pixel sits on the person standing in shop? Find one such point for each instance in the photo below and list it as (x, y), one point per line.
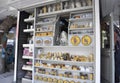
(3, 56)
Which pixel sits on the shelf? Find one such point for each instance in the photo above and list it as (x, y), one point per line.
(64, 78)
(27, 45)
(44, 23)
(79, 19)
(67, 10)
(29, 20)
(27, 57)
(28, 30)
(43, 31)
(80, 28)
(87, 47)
(67, 62)
(25, 80)
(66, 70)
(27, 69)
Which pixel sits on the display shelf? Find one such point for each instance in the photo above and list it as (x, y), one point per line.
(44, 23)
(27, 45)
(67, 62)
(87, 47)
(66, 70)
(80, 28)
(27, 69)
(28, 30)
(44, 31)
(65, 78)
(67, 11)
(29, 20)
(27, 57)
(25, 80)
(80, 19)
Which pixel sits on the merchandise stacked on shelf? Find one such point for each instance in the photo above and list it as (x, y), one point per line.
(63, 66)
(74, 30)
(63, 6)
(45, 28)
(28, 49)
(81, 29)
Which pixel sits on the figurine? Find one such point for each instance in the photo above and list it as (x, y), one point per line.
(78, 3)
(72, 4)
(45, 9)
(58, 7)
(63, 38)
(83, 3)
(49, 8)
(66, 5)
(89, 2)
(53, 8)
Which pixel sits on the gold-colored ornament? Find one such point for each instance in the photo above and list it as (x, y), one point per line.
(75, 40)
(86, 40)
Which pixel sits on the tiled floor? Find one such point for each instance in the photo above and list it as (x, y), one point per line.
(7, 77)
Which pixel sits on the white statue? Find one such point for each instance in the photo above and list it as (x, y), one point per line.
(63, 38)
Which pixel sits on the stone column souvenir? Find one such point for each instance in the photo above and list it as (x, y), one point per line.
(72, 4)
(89, 2)
(78, 3)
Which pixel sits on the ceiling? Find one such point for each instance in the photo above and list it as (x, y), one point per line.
(9, 7)
(5, 9)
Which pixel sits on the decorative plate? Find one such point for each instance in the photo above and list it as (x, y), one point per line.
(75, 40)
(86, 40)
(39, 41)
(47, 41)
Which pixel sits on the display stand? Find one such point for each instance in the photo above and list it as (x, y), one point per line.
(65, 43)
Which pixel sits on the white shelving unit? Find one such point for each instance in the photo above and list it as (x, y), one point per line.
(28, 45)
(24, 80)
(66, 70)
(64, 78)
(79, 19)
(29, 20)
(67, 11)
(80, 50)
(67, 62)
(27, 69)
(28, 30)
(27, 57)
